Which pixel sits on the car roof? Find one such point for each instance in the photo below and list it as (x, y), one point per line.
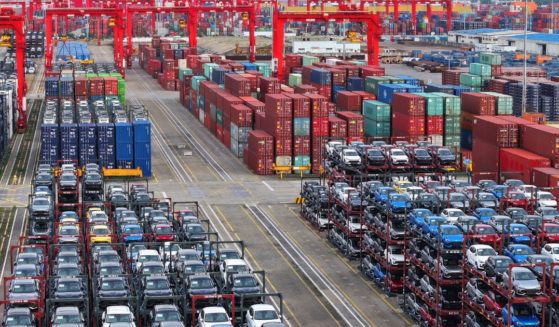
(263, 307)
(19, 311)
(165, 307)
(235, 262)
(118, 309)
(68, 309)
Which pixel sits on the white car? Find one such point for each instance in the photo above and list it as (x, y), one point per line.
(394, 255)
(546, 199)
(350, 157)
(344, 193)
(551, 250)
(355, 225)
(260, 314)
(528, 190)
(331, 145)
(145, 256)
(117, 313)
(399, 157)
(452, 215)
(213, 317)
(477, 255)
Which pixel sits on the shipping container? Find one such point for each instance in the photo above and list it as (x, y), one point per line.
(518, 163)
(124, 141)
(478, 103)
(542, 140)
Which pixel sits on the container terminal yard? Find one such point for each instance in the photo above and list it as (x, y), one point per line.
(284, 163)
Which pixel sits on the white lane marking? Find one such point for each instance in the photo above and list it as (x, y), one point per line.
(268, 186)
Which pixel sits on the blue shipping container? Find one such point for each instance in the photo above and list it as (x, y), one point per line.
(87, 144)
(218, 75)
(145, 165)
(66, 86)
(142, 131)
(355, 84)
(142, 150)
(466, 139)
(50, 142)
(124, 145)
(106, 145)
(69, 136)
(431, 87)
(52, 88)
(321, 76)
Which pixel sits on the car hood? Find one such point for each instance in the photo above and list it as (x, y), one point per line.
(528, 284)
(37, 207)
(204, 291)
(23, 296)
(453, 238)
(68, 295)
(246, 290)
(157, 292)
(453, 269)
(398, 257)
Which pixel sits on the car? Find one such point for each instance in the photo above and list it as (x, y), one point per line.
(30, 258)
(402, 185)
(521, 281)
(518, 234)
(513, 183)
(521, 315)
(151, 268)
(450, 267)
(112, 287)
(428, 255)
(487, 200)
(466, 223)
(427, 286)
(485, 234)
(477, 255)
(496, 265)
(156, 286)
(100, 233)
(199, 284)
(132, 233)
(26, 271)
(68, 233)
(260, 314)
(533, 222)
(428, 201)
(445, 156)
(213, 317)
(518, 252)
(68, 288)
(515, 199)
(162, 314)
(475, 289)
(548, 214)
(67, 270)
(350, 157)
(68, 181)
(93, 181)
(449, 236)
(494, 302)
(163, 232)
(41, 206)
(145, 255)
(195, 232)
(530, 191)
(484, 214)
(67, 316)
(398, 157)
(486, 184)
(109, 269)
(451, 215)
(431, 226)
(500, 223)
(21, 291)
(515, 212)
(417, 217)
(394, 255)
(19, 317)
(375, 157)
(551, 250)
(549, 232)
(546, 199)
(115, 314)
(536, 259)
(422, 157)
(399, 203)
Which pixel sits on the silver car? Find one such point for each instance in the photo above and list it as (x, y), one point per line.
(522, 281)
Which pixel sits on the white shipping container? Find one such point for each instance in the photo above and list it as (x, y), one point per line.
(437, 139)
(332, 61)
(182, 63)
(201, 116)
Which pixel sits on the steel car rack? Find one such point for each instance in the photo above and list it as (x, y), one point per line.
(227, 300)
(39, 312)
(83, 304)
(241, 309)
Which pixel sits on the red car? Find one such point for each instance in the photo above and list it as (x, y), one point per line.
(394, 284)
(425, 314)
(549, 232)
(494, 302)
(485, 234)
(516, 199)
(163, 232)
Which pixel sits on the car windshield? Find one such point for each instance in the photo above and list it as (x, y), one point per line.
(399, 197)
(445, 152)
(132, 230)
(451, 231)
(25, 260)
(244, 282)
(23, 288)
(457, 197)
(552, 229)
(485, 230)
(150, 270)
(164, 230)
(109, 258)
(69, 286)
(67, 177)
(375, 153)
(100, 231)
(517, 196)
(520, 230)
(487, 197)
(485, 252)
(550, 212)
(398, 153)
(455, 213)
(195, 268)
(265, 315)
(69, 230)
(25, 272)
(524, 275)
(229, 255)
(68, 272)
(157, 284)
(396, 250)
(422, 213)
(41, 202)
(148, 257)
(195, 229)
(167, 316)
(18, 320)
(421, 152)
(200, 283)
(502, 263)
(68, 259)
(67, 319)
(112, 285)
(123, 317)
(216, 317)
(110, 271)
(522, 311)
(350, 153)
(524, 250)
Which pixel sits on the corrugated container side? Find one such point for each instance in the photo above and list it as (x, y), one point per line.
(519, 162)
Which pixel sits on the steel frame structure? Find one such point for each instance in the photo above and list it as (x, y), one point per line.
(117, 14)
(192, 23)
(374, 31)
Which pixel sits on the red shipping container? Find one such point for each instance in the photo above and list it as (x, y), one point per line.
(278, 105)
(301, 105)
(520, 161)
(305, 88)
(241, 115)
(434, 125)
(338, 127)
(542, 140)
(227, 138)
(493, 130)
(338, 76)
(283, 145)
(348, 101)
(354, 123)
(96, 86)
(324, 90)
(467, 120)
(408, 115)
(237, 85)
(485, 157)
(269, 85)
(365, 96)
(80, 86)
(408, 104)
(372, 71)
(256, 105)
(278, 126)
(319, 127)
(219, 133)
(301, 145)
(319, 106)
(478, 103)
(541, 177)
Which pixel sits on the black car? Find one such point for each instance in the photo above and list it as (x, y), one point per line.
(111, 288)
(68, 288)
(428, 201)
(495, 266)
(375, 157)
(156, 286)
(422, 157)
(450, 297)
(162, 313)
(445, 156)
(199, 285)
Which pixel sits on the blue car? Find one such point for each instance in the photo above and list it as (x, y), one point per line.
(378, 273)
(431, 225)
(381, 194)
(133, 233)
(398, 203)
(484, 214)
(450, 237)
(417, 217)
(519, 234)
(499, 191)
(522, 315)
(518, 252)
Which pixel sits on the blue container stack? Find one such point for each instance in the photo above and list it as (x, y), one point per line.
(550, 107)
(386, 91)
(142, 146)
(442, 88)
(106, 144)
(532, 97)
(355, 84)
(52, 88)
(69, 142)
(87, 144)
(218, 75)
(321, 76)
(124, 145)
(335, 90)
(458, 89)
(410, 80)
(250, 66)
(72, 50)
(66, 86)
(50, 142)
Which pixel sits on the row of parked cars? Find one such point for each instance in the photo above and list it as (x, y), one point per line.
(130, 260)
(68, 112)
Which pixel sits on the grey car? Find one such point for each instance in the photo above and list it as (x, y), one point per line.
(68, 181)
(156, 286)
(67, 316)
(68, 288)
(41, 206)
(522, 281)
(112, 287)
(19, 317)
(22, 290)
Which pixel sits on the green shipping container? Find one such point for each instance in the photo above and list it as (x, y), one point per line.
(374, 128)
(104, 75)
(490, 58)
(91, 75)
(377, 111)
(480, 69)
(433, 104)
(372, 83)
(309, 60)
(295, 79)
(451, 104)
(301, 161)
(195, 82)
(452, 125)
(183, 72)
(503, 101)
(208, 69)
(452, 141)
(301, 126)
(470, 80)
(264, 68)
(359, 62)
